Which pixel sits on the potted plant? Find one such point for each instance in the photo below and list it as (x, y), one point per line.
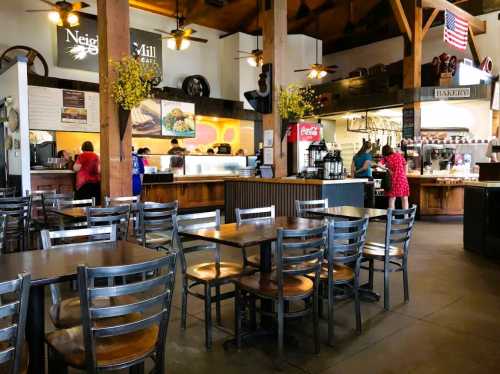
(133, 83)
(296, 102)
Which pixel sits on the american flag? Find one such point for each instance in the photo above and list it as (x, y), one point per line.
(455, 30)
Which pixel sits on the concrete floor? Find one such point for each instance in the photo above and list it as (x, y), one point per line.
(450, 325)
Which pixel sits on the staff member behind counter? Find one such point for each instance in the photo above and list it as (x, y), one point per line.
(88, 174)
(493, 151)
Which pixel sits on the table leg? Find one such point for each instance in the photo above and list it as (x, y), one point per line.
(35, 330)
(266, 266)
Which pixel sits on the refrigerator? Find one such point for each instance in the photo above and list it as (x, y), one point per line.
(300, 136)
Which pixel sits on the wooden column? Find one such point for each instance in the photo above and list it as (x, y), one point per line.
(274, 33)
(412, 59)
(114, 43)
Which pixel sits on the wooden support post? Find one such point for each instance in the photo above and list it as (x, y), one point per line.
(114, 43)
(473, 47)
(412, 60)
(274, 33)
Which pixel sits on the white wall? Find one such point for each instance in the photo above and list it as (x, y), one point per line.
(14, 84)
(33, 29)
(391, 50)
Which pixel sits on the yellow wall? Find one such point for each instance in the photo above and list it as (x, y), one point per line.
(72, 141)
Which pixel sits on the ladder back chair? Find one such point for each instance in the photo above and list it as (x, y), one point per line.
(209, 275)
(13, 349)
(301, 207)
(132, 201)
(253, 215)
(7, 192)
(120, 336)
(3, 221)
(18, 217)
(52, 220)
(116, 215)
(157, 224)
(393, 252)
(65, 313)
(342, 266)
(299, 256)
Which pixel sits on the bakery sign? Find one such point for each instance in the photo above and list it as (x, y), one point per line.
(78, 47)
(452, 93)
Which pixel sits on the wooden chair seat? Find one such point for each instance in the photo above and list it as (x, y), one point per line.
(340, 272)
(109, 351)
(377, 250)
(207, 272)
(265, 284)
(67, 314)
(23, 368)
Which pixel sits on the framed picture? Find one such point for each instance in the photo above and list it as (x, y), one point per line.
(146, 118)
(177, 119)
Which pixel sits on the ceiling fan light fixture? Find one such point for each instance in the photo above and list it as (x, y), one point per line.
(72, 20)
(322, 74)
(185, 43)
(252, 61)
(313, 74)
(55, 17)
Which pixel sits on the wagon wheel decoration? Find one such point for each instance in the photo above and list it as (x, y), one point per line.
(196, 86)
(36, 63)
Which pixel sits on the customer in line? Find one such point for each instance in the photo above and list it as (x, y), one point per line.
(88, 174)
(210, 151)
(143, 154)
(395, 163)
(137, 173)
(176, 149)
(361, 166)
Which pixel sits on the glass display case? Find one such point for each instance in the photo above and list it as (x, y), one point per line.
(193, 165)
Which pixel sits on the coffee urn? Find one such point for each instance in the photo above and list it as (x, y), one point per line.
(333, 166)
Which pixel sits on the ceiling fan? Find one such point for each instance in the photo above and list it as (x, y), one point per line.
(62, 13)
(317, 70)
(256, 56)
(180, 38)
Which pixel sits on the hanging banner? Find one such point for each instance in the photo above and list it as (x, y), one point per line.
(78, 47)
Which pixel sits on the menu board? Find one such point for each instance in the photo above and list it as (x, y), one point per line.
(177, 119)
(408, 123)
(63, 110)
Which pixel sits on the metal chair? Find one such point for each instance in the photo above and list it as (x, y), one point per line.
(209, 275)
(3, 221)
(13, 352)
(53, 221)
(117, 215)
(119, 336)
(252, 215)
(394, 251)
(301, 207)
(18, 212)
(132, 201)
(299, 255)
(157, 224)
(82, 203)
(65, 313)
(7, 192)
(341, 268)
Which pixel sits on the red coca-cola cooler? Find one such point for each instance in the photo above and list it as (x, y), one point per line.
(300, 137)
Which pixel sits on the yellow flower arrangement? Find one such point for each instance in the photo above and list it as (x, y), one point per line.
(296, 102)
(133, 81)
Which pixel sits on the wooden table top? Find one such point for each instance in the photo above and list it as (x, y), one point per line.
(250, 234)
(75, 212)
(348, 212)
(59, 264)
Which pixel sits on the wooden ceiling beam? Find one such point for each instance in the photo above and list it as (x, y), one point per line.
(474, 47)
(477, 26)
(430, 21)
(402, 21)
(297, 25)
(143, 5)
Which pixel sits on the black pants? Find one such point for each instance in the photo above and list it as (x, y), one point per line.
(88, 191)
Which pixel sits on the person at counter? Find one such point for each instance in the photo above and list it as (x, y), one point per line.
(88, 174)
(63, 154)
(137, 173)
(176, 149)
(493, 151)
(143, 154)
(395, 164)
(210, 152)
(240, 152)
(361, 166)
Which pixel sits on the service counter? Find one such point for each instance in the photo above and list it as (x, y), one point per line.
(438, 195)
(282, 192)
(48, 179)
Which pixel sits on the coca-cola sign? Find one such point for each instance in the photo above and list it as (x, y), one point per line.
(304, 132)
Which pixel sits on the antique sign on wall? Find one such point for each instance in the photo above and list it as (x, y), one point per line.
(78, 47)
(452, 93)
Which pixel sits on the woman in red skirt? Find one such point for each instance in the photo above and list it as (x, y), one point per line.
(396, 164)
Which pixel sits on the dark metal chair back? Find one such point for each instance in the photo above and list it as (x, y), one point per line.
(399, 228)
(158, 219)
(52, 201)
(82, 203)
(299, 252)
(37, 200)
(346, 240)
(7, 192)
(18, 216)
(13, 315)
(197, 221)
(117, 215)
(61, 238)
(3, 220)
(150, 308)
(301, 206)
(254, 214)
(131, 201)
